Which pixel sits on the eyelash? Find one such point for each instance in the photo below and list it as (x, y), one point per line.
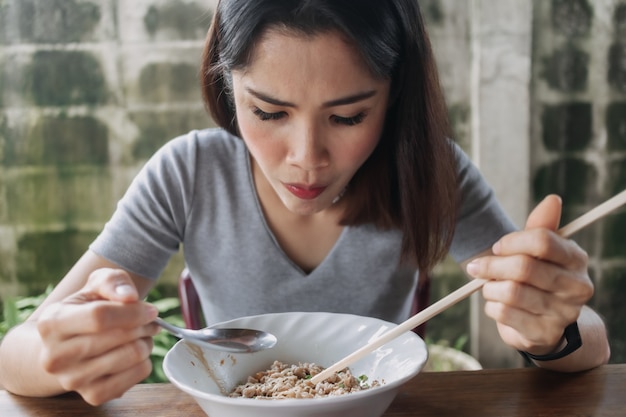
(347, 121)
(267, 116)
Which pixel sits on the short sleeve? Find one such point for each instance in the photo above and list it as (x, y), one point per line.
(481, 220)
(148, 224)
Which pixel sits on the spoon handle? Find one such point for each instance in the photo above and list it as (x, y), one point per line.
(461, 293)
(176, 331)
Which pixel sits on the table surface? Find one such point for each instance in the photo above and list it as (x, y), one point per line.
(500, 392)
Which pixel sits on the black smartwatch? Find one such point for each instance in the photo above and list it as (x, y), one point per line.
(573, 339)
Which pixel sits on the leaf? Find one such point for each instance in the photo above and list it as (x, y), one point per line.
(160, 351)
(165, 305)
(460, 342)
(10, 313)
(31, 303)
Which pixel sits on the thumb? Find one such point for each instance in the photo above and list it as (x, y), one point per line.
(112, 284)
(547, 214)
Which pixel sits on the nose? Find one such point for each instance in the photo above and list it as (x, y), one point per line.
(308, 150)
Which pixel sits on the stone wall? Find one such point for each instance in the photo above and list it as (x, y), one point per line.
(90, 88)
(546, 87)
(578, 134)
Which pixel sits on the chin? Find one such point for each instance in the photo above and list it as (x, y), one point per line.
(304, 208)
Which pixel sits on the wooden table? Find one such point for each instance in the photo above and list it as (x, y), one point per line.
(501, 393)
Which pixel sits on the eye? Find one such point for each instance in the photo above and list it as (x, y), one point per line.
(348, 121)
(268, 116)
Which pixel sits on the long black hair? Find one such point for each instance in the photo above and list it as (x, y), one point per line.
(409, 182)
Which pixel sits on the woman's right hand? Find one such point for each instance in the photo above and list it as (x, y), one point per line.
(98, 340)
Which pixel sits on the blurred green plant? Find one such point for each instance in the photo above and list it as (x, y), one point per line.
(444, 355)
(16, 310)
(169, 309)
(459, 344)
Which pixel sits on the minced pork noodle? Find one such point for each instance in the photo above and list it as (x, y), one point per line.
(293, 381)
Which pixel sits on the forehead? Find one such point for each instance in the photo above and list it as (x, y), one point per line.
(293, 54)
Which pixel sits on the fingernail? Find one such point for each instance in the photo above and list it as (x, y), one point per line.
(473, 267)
(151, 310)
(124, 290)
(496, 248)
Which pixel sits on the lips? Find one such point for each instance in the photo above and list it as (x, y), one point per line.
(304, 192)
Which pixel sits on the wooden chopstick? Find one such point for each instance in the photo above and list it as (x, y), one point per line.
(461, 293)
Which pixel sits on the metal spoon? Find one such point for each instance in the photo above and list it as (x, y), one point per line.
(227, 340)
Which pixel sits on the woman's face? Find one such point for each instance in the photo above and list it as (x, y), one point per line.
(310, 114)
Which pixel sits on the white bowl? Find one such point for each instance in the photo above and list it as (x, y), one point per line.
(320, 338)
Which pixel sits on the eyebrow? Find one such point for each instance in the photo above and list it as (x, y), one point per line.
(332, 103)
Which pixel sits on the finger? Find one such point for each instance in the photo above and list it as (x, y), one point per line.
(543, 219)
(61, 321)
(575, 287)
(86, 347)
(529, 299)
(540, 239)
(525, 342)
(113, 386)
(543, 244)
(117, 337)
(546, 215)
(110, 363)
(111, 284)
(520, 268)
(522, 329)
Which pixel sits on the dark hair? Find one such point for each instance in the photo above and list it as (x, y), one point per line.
(409, 182)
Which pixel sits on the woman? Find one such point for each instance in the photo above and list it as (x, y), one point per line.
(331, 183)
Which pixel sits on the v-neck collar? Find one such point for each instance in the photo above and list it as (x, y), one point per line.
(272, 236)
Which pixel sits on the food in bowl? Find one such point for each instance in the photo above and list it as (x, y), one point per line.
(293, 381)
(321, 338)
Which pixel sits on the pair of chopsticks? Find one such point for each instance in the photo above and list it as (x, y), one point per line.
(462, 293)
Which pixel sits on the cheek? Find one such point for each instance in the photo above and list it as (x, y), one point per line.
(259, 142)
(357, 151)
(368, 136)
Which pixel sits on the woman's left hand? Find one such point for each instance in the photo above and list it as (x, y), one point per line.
(538, 282)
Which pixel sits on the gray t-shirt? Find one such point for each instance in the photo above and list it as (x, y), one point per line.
(198, 191)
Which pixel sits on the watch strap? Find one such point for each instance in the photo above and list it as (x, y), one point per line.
(573, 342)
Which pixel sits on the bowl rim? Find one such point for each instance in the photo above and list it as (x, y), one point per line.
(269, 403)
